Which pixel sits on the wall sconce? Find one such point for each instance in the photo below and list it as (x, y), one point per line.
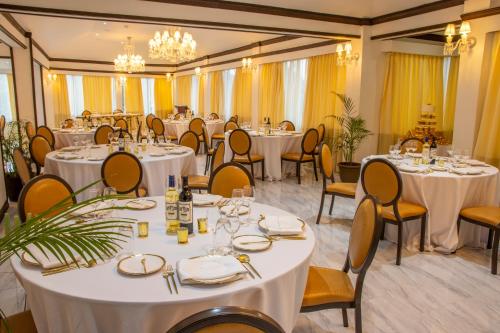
(122, 82)
(169, 76)
(247, 65)
(197, 71)
(463, 44)
(52, 77)
(345, 55)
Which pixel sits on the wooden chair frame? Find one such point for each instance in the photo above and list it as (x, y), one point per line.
(302, 154)
(19, 152)
(197, 140)
(409, 140)
(247, 153)
(100, 128)
(158, 135)
(288, 122)
(52, 139)
(135, 189)
(38, 165)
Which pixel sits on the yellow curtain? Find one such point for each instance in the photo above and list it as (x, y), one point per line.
(411, 81)
(451, 97)
(271, 92)
(201, 95)
(183, 90)
(163, 97)
(60, 99)
(488, 141)
(216, 93)
(324, 78)
(12, 95)
(242, 95)
(133, 96)
(97, 94)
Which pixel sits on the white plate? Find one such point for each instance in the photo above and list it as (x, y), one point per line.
(157, 154)
(201, 270)
(252, 243)
(299, 226)
(132, 265)
(141, 204)
(438, 168)
(408, 168)
(70, 149)
(229, 208)
(476, 163)
(95, 158)
(177, 151)
(205, 199)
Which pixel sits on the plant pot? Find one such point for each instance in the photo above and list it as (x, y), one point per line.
(13, 186)
(349, 172)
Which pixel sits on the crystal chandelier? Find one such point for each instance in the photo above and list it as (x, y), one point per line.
(345, 55)
(129, 62)
(463, 44)
(246, 65)
(171, 47)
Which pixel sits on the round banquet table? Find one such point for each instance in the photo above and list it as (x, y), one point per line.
(100, 299)
(179, 127)
(444, 194)
(271, 147)
(156, 169)
(64, 137)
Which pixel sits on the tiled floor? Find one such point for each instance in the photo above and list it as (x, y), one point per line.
(429, 292)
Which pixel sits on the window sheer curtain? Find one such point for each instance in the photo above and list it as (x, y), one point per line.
(271, 96)
(97, 94)
(148, 94)
(183, 90)
(216, 92)
(201, 95)
(194, 93)
(75, 94)
(133, 96)
(5, 101)
(228, 80)
(60, 99)
(487, 146)
(242, 95)
(164, 103)
(295, 79)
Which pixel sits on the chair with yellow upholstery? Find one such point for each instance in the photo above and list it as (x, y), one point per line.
(209, 151)
(196, 125)
(86, 114)
(122, 123)
(381, 178)
(22, 166)
(200, 182)
(241, 144)
(228, 126)
(68, 123)
(321, 137)
(2, 126)
(346, 190)
(214, 116)
(177, 116)
(309, 143)
(328, 288)
(158, 129)
(227, 177)
(19, 323)
(123, 171)
(190, 139)
(288, 125)
(227, 319)
(149, 121)
(30, 129)
(101, 135)
(39, 147)
(43, 192)
(47, 134)
(489, 217)
(415, 143)
(234, 119)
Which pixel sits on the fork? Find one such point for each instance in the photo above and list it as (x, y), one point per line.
(164, 273)
(170, 272)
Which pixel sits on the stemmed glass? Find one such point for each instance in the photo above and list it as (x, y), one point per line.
(110, 137)
(391, 151)
(232, 225)
(237, 199)
(248, 198)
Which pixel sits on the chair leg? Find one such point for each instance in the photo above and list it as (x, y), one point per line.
(321, 207)
(400, 242)
(251, 168)
(263, 169)
(382, 234)
(315, 170)
(490, 239)
(344, 318)
(298, 172)
(331, 204)
(207, 163)
(494, 254)
(357, 317)
(422, 232)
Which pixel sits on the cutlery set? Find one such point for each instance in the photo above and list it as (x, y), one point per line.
(168, 272)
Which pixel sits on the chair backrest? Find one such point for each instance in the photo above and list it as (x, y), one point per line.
(218, 155)
(43, 192)
(47, 134)
(310, 141)
(158, 127)
(381, 179)
(101, 134)
(214, 116)
(122, 123)
(123, 171)
(86, 113)
(234, 119)
(321, 132)
(22, 168)
(190, 139)
(289, 125)
(326, 161)
(138, 135)
(19, 322)
(240, 142)
(230, 126)
(177, 116)
(68, 123)
(227, 177)
(39, 147)
(412, 143)
(30, 129)
(149, 121)
(196, 125)
(205, 138)
(227, 319)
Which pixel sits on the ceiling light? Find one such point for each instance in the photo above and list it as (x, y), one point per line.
(345, 56)
(197, 71)
(171, 46)
(52, 77)
(129, 62)
(247, 65)
(463, 44)
(169, 76)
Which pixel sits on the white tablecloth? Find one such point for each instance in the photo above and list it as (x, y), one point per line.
(81, 172)
(271, 147)
(64, 138)
(444, 195)
(101, 300)
(179, 127)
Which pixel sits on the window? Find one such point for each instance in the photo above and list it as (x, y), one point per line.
(5, 107)
(194, 93)
(148, 95)
(228, 81)
(75, 94)
(295, 81)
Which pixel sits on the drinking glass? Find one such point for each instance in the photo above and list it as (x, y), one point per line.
(248, 198)
(76, 141)
(94, 193)
(397, 150)
(232, 226)
(391, 150)
(127, 246)
(110, 137)
(237, 198)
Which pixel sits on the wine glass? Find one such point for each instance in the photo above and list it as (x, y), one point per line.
(110, 137)
(94, 193)
(127, 246)
(76, 141)
(397, 150)
(248, 198)
(466, 154)
(391, 150)
(237, 198)
(232, 225)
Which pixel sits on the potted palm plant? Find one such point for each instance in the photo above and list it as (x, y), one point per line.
(352, 132)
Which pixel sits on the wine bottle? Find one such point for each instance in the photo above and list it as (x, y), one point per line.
(171, 206)
(121, 141)
(433, 151)
(186, 206)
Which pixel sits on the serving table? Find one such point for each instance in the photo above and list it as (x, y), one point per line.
(100, 299)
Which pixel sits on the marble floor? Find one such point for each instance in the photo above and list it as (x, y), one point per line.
(429, 292)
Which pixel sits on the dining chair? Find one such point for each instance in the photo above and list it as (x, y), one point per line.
(228, 126)
(158, 129)
(200, 182)
(101, 135)
(19, 323)
(227, 177)
(42, 193)
(30, 129)
(346, 190)
(329, 288)
(86, 114)
(321, 138)
(209, 151)
(177, 116)
(47, 134)
(241, 144)
(412, 143)
(2, 126)
(190, 139)
(196, 125)
(22, 167)
(139, 136)
(234, 119)
(381, 178)
(39, 147)
(122, 123)
(488, 217)
(123, 171)
(149, 121)
(289, 125)
(214, 116)
(308, 144)
(68, 123)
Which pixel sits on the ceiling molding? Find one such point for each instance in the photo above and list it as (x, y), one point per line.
(102, 62)
(11, 36)
(14, 22)
(409, 32)
(434, 38)
(82, 70)
(419, 10)
(268, 10)
(481, 13)
(42, 51)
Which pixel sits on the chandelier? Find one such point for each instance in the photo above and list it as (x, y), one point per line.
(345, 55)
(171, 47)
(463, 44)
(246, 65)
(129, 62)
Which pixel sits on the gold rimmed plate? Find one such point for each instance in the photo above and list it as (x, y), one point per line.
(141, 264)
(141, 204)
(263, 228)
(252, 243)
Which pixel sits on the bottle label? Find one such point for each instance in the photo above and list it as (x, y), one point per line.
(185, 212)
(171, 211)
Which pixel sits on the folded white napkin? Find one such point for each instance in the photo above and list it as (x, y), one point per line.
(467, 171)
(208, 268)
(476, 163)
(49, 261)
(67, 156)
(205, 199)
(409, 168)
(282, 225)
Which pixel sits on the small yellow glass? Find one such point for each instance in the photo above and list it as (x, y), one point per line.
(172, 227)
(441, 162)
(136, 150)
(182, 235)
(143, 229)
(202, 225)
(144, 147)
